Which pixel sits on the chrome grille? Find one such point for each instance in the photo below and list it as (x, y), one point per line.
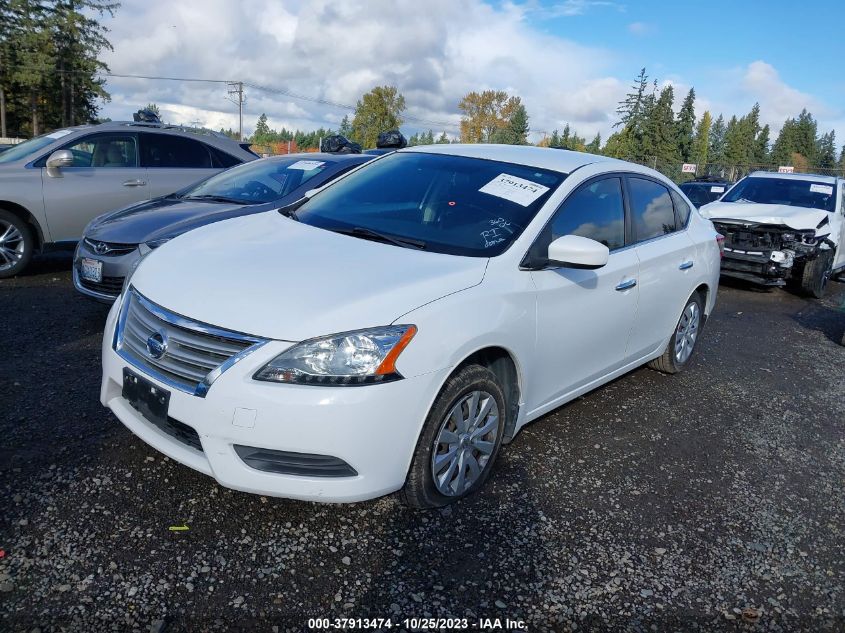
(184, 354)
(109, 248)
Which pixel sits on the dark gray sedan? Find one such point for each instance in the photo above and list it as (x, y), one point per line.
(113, 243)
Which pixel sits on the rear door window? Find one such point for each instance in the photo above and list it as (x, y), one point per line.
(682, 210)
(167, 150)
(652, 211)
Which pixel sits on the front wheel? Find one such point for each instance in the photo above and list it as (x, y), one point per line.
(16, 244)
(459, 441)
(682, 344)
(816, 274)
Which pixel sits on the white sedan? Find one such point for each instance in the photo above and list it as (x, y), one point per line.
(393, 329)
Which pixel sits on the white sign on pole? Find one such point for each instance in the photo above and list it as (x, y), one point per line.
(688, 168)
(786, 169)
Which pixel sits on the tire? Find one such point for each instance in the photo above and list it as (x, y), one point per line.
(16, 244)
(816, 274)
(421, 490)
(680, 350)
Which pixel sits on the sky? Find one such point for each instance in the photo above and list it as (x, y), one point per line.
(571, 61)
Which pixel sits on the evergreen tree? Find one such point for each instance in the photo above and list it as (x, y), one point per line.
(262, 131)
(716, 146)
(442, 139)
(685, 126)
(630, 110)
(842, 158)
(826, 151)
(701, 141)
(594, 146)
(661, 141)
(806, 130)
(345, 127)
(515, 131)
(761, 146)
(785, 143)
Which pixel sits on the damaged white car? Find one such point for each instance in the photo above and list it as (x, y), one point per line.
(782, 228)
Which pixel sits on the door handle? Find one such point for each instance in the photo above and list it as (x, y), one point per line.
(686, 265)
(625, 285)
(134, 183)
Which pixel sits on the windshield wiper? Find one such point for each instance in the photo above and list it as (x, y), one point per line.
(369, 234)
(211, 198)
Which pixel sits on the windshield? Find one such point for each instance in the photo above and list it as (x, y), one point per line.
(702, 194)
(442, 203)
(789, 191)
(22, 150)
(259, 181)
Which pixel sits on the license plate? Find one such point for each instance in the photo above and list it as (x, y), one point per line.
(149, 400)
(92, 270)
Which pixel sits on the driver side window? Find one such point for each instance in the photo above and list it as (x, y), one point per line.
(595, 211)
(105, 150)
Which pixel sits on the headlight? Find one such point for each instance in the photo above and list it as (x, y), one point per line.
(128, 279)
(361, 357)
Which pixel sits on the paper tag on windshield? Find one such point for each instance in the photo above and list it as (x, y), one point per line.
(825, 189)
(717, 190)
(518, 190)
(306, 165)
(58, 134)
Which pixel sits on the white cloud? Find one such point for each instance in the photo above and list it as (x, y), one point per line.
(434, 52)
(338, 51)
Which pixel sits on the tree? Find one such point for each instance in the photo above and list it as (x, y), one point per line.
(761, 146)
(660, 133)
(377, 111)
(842, 158)
(485, 113)
(685, 125)
(262, 130)
(515, 131)
(49, 63)
(785, 143)
(442, 139)
(716, 146)
(594, 146)
(826, 151)
(345, 127)
(701, 140)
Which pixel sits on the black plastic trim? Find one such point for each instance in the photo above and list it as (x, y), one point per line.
(290, 463)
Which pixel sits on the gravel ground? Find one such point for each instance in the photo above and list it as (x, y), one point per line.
(712, 500)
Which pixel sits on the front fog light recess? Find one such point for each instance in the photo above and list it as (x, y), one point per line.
(361, 357)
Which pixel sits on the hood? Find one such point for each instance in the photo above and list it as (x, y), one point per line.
(163, 217)
(798, 218)
(271, 276)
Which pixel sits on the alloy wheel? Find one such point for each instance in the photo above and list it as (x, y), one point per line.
(465, 443)
(12, 245)
(687, 332)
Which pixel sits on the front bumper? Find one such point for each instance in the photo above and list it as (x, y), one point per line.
(115, 269)
(758, 269)
(374, 428)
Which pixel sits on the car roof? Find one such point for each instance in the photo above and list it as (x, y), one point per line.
(774, 174)
(324, 156)
(560, 160)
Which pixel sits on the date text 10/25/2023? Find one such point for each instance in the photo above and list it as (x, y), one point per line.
(417, 624)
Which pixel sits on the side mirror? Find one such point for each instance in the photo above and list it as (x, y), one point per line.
(574, 251)
(60, 158)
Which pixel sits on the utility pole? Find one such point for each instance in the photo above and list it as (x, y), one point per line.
(236, 89)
